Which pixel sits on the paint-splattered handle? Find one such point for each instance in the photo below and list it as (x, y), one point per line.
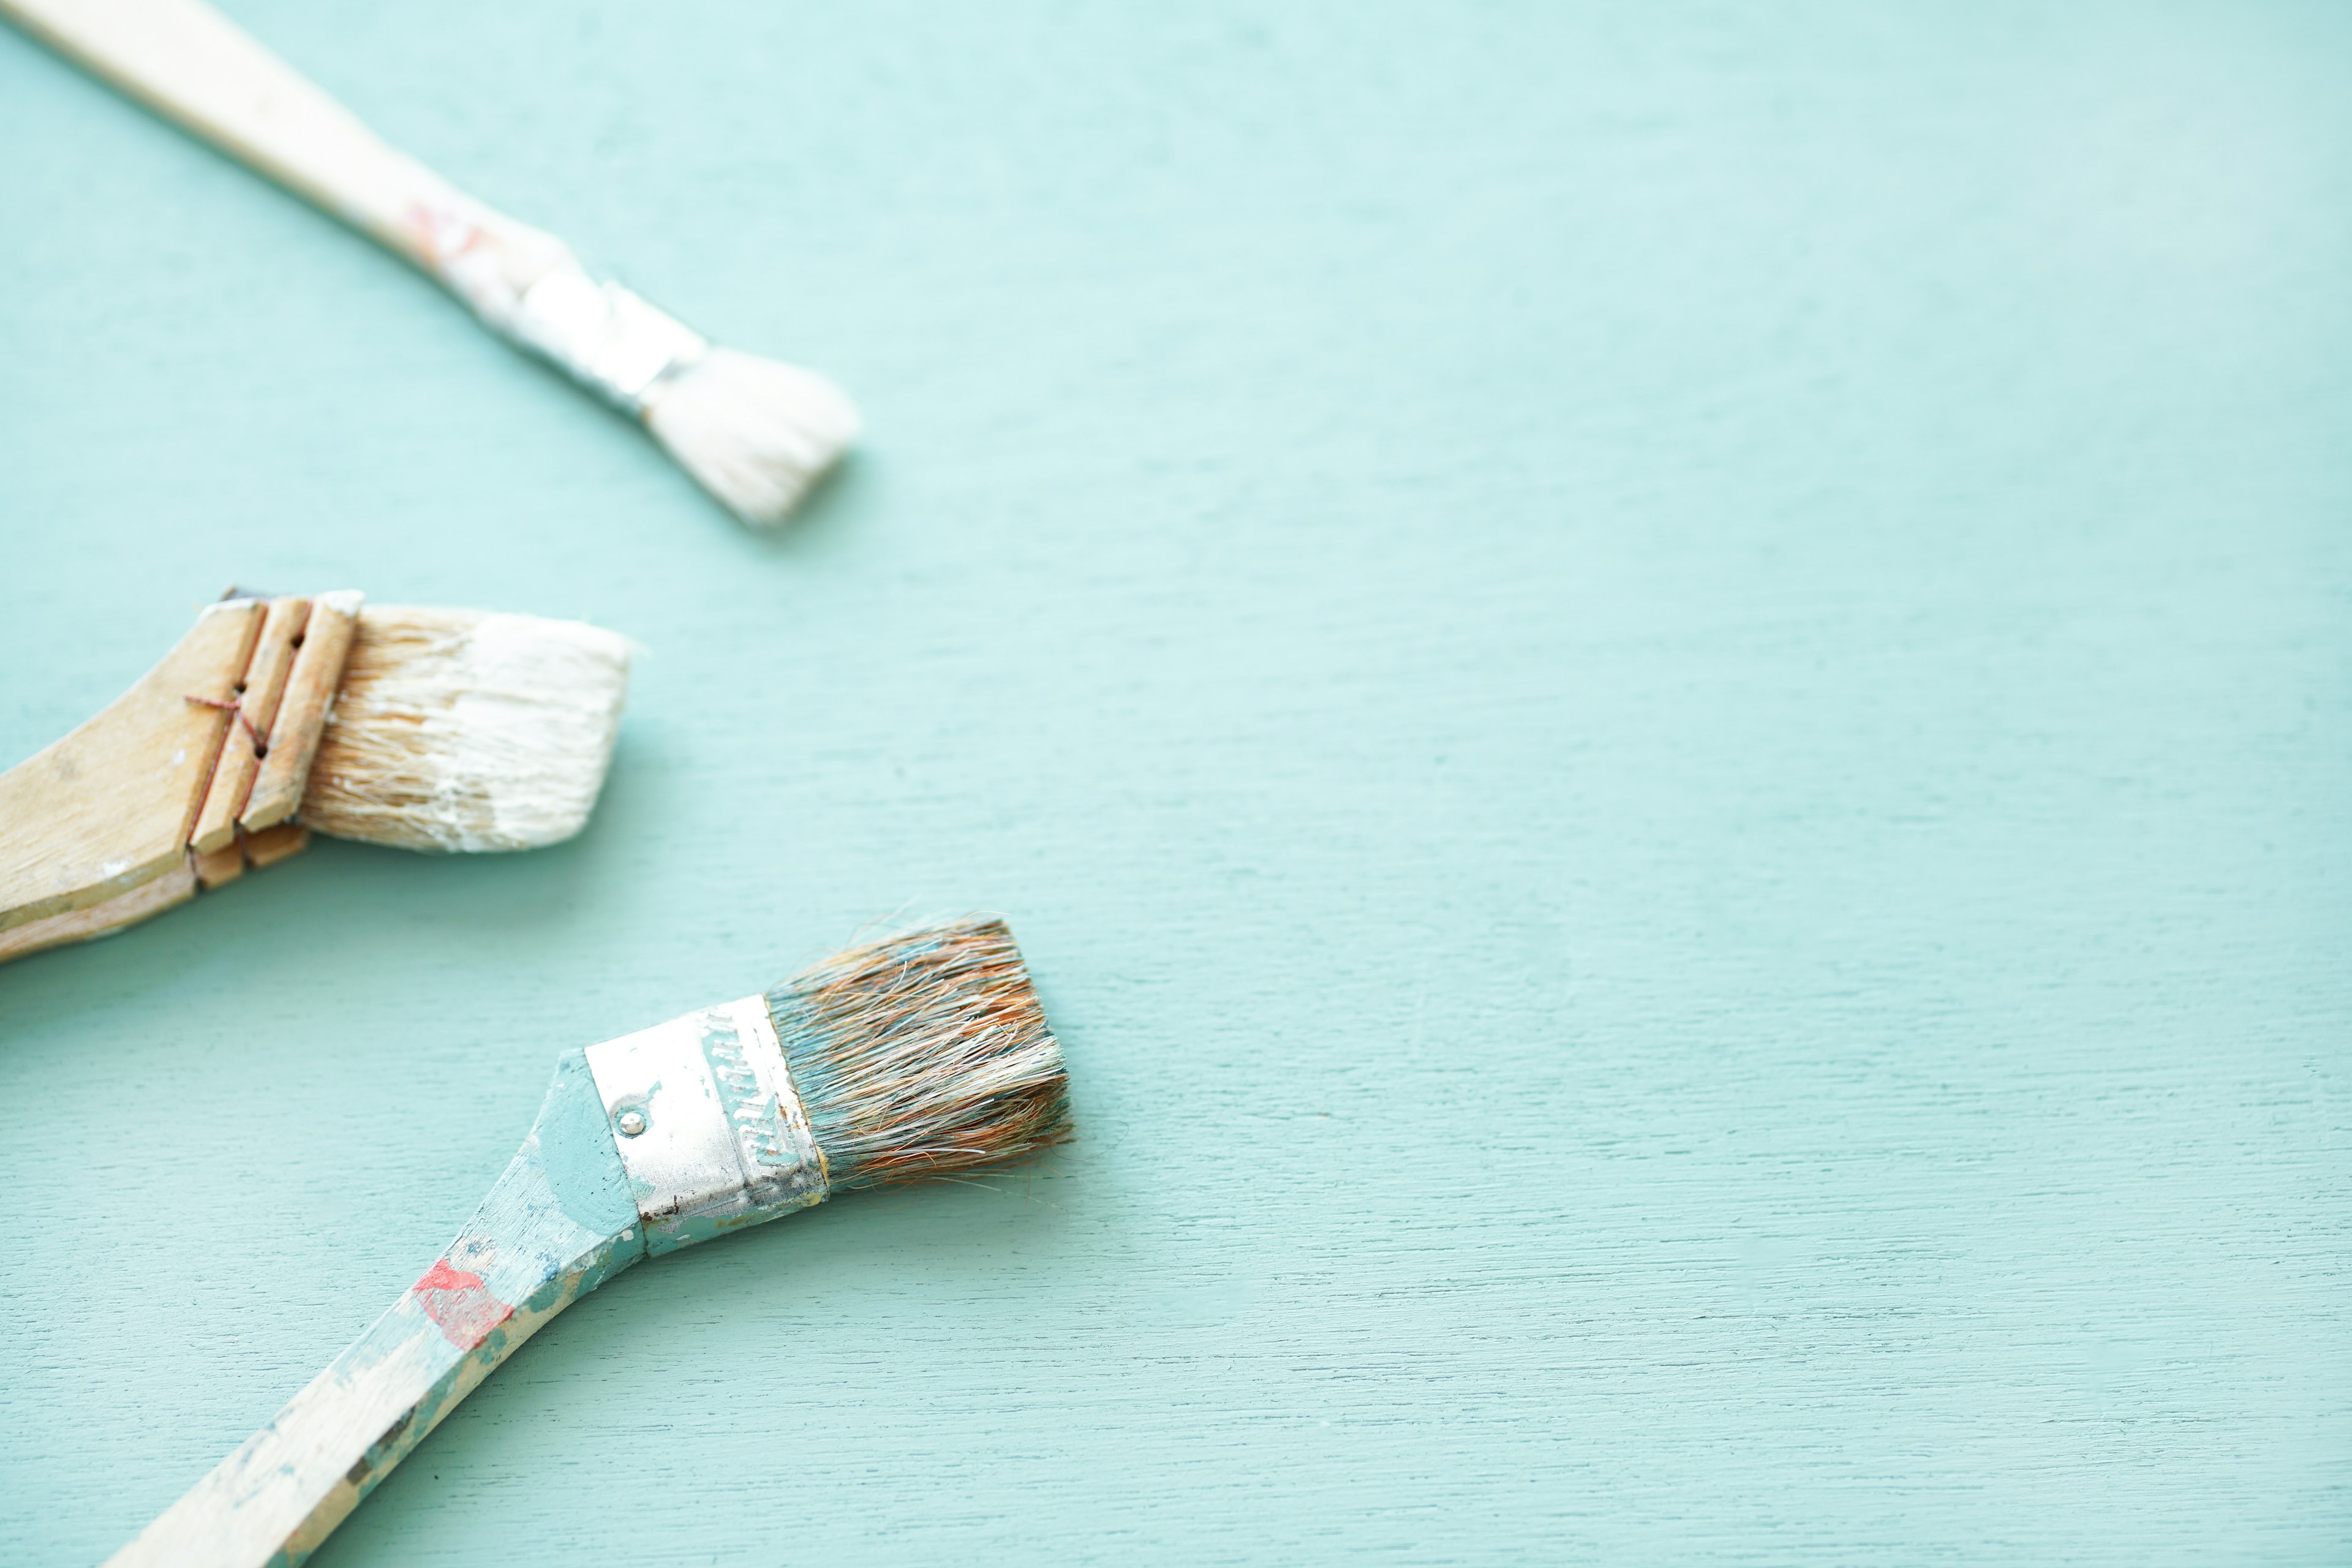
(557, 1225)
(288, 1485)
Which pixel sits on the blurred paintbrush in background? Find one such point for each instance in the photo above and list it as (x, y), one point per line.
(756, 433)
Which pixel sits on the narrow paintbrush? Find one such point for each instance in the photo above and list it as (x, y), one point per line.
(423, 729)
(923, 1054)
(755, 432)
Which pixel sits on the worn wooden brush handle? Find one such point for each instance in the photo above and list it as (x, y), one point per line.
(105, 812)
(559, 1223)
(264, 684)
(109, 825)
(189, 62)
(302, 718)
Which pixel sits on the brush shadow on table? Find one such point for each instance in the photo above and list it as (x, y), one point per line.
(336, 903)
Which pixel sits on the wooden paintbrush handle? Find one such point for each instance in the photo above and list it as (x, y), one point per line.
(190, 63)
(147, 802)
(274, 653)
(287, 1487)
(300, 720)
(559, 1223)
(104, 814)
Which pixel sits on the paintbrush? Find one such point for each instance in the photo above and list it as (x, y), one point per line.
(425, 728)
(753, 432)
(922, 1055)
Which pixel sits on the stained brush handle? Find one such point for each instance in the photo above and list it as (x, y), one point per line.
(156, 797)
(285, 1487)
(524, 1257)
(194, 65)
(94, 828)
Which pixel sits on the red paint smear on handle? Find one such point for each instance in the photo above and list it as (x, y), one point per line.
(459, 1304)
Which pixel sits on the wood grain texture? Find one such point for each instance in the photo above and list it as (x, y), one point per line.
(185, 62)
(272, 844)
(216, 868)
(100, 813)
(301, 716)
(258, 696)
(1664, 695)
(174, 886)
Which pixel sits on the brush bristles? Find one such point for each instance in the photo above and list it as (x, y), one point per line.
(454, 730)
(923, 1054)
(753, 432)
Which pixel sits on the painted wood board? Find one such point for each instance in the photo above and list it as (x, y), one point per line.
(1662, 694)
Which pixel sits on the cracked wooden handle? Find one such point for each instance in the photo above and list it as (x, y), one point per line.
(171, 787)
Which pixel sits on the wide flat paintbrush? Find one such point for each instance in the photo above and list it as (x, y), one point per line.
(419, 728)
(753, 432)
(923, 1054)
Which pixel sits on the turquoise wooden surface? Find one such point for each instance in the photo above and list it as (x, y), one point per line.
(1663, 694)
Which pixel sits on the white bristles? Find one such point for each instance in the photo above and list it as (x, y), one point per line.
(755, 432)
(454, 730)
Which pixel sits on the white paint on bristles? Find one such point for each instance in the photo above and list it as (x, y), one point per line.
(456, 729)
(756, 433)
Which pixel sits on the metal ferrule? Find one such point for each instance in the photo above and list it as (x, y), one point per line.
(710, 1132)
(607, 338)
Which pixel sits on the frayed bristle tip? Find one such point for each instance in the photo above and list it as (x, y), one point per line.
(756, 433)
(925, 1054)
(454, 730)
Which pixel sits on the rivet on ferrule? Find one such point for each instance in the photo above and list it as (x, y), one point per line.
(708, 1129)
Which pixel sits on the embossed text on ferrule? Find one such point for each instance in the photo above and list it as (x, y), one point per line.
(708, 1129)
